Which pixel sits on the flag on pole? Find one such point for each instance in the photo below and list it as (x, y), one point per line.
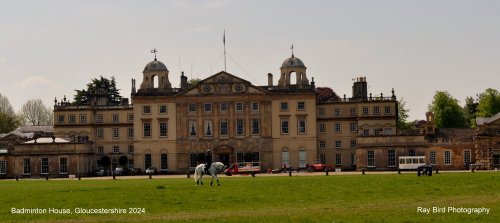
(224, 42)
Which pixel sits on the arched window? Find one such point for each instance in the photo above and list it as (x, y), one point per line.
(163, 162)
(293, 77)
(302, 159)
(114, 163)
(147, 161)
(155, 80)
(285, 159)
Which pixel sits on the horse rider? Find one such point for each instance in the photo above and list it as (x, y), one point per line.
(208, 160)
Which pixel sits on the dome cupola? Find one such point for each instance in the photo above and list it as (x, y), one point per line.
(155, 73)
(155, 65)
(293, 65)
(293, 62)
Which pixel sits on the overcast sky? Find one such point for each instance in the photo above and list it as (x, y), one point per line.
(50, 48)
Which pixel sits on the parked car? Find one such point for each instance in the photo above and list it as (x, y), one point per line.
(100, 172)
(118, 171)
(243, 168)
(151, 170)
(318, 167)
(135, 171)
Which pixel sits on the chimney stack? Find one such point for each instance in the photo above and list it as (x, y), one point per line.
(184, 84)
(360, 89)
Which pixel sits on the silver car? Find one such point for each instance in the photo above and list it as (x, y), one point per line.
(118, 171)
(151, 170)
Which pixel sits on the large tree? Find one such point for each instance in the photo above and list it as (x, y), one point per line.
(402, 122)
(114, 97)
(8, 119)
(447, 112)
(34, 112)
(488, 103)
(470, 110)
(326, 93)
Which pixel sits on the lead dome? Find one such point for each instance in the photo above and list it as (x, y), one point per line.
(155, 65)
(293, 62)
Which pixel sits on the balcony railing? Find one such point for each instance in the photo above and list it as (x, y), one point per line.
(68, 106)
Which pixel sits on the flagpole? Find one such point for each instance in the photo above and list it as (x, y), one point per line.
(224, 42)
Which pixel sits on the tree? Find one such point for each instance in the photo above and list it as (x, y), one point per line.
(5, 106)
(402, 122)
(114, 98)
(34, 112)
(447, 112)
(326, 94)
(488, 103)
(8, 120)
(194, 81)
(470, 110)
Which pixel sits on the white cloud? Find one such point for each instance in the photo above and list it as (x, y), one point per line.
(199, 29)
(35, 81)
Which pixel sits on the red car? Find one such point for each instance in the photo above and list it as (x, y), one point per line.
(243, 168)
(318, 167)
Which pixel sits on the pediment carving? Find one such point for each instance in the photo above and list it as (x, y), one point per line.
(224, 84)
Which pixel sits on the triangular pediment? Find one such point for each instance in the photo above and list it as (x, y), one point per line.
(224, 83)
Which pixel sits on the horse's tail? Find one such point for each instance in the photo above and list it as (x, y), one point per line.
(195, 174)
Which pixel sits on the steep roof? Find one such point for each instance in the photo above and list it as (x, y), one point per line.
(485, 121)
(40, 128)
(28, 131)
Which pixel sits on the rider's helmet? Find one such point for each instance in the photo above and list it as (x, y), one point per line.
(208, 151)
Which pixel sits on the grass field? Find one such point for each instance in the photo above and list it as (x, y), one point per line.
(342, 198)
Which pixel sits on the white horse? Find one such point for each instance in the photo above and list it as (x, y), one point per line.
(215, 168)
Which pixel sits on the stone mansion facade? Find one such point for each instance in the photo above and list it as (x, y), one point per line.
(275, 125)
(287, 123)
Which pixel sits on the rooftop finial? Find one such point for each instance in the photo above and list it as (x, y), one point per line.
(292, 50)
(154, 51)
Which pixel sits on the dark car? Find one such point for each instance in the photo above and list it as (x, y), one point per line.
(100, 172)
(135, 171)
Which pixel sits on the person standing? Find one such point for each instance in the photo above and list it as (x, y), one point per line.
(208, 160)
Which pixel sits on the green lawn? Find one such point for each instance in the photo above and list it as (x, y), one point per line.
(346, 198)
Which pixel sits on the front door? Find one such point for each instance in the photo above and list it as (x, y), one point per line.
(224, 158)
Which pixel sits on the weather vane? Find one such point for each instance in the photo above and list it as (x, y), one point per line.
(154, 51)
